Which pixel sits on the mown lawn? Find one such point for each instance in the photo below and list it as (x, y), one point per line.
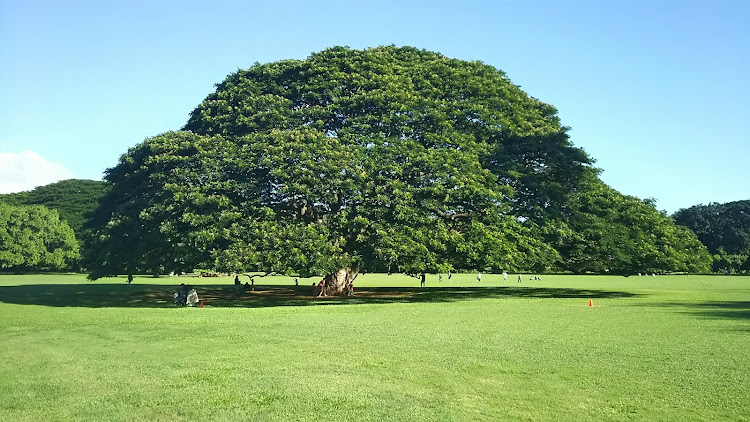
(652, 348)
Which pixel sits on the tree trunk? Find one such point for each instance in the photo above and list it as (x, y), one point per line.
(336, 283)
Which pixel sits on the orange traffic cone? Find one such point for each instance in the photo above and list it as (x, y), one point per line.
(591, 303)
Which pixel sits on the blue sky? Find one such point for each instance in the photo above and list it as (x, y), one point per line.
(655, 91)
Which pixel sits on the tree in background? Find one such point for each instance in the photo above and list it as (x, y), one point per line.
(32, 237)
(74, 200)
(724, 229)
(386, 159)
(719, 226)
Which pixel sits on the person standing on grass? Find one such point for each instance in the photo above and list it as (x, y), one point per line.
(505, 276)
(421, 281)
(322, 286)
(479, 276)
(130, 279)
(440, 277)
(519, 277)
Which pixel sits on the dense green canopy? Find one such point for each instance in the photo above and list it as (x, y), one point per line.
(32, 237)
(380, 95)
(608, 232)
(719, 226)
(74, 200)
(724, 229)
(387, 159)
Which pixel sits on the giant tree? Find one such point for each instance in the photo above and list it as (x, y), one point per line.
(300, 202)
(382, 159)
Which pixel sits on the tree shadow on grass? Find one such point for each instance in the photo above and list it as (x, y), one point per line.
(160, 296)
(727, 309)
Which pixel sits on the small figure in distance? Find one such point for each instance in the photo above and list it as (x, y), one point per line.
(519, 277)
(449, 275)
(180, 298)
(130, 279)
(505, 276)
(296, 281)
(479, 276)
(237, 283)
(350, 289)
(422, 280)
(192, 296)
(440, 277)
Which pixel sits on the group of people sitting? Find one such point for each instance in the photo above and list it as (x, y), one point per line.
(186, 296)
(248, 286)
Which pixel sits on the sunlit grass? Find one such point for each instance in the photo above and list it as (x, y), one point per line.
(653, 348)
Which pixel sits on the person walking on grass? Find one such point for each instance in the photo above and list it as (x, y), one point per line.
(505, 276)
(479, 276)
(519, 277)
(322, 287)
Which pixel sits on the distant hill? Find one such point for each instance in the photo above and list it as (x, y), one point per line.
(74, 199)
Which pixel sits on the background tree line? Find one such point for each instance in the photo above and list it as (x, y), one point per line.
(725, 230)
(43, 229)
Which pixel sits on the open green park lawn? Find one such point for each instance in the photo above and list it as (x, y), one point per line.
(651, 348)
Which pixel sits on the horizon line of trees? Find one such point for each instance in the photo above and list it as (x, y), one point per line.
(724, 228)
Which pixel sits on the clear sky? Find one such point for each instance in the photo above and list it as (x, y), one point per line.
(656, 91)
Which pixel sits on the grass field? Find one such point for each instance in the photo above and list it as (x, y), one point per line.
(651, 348)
